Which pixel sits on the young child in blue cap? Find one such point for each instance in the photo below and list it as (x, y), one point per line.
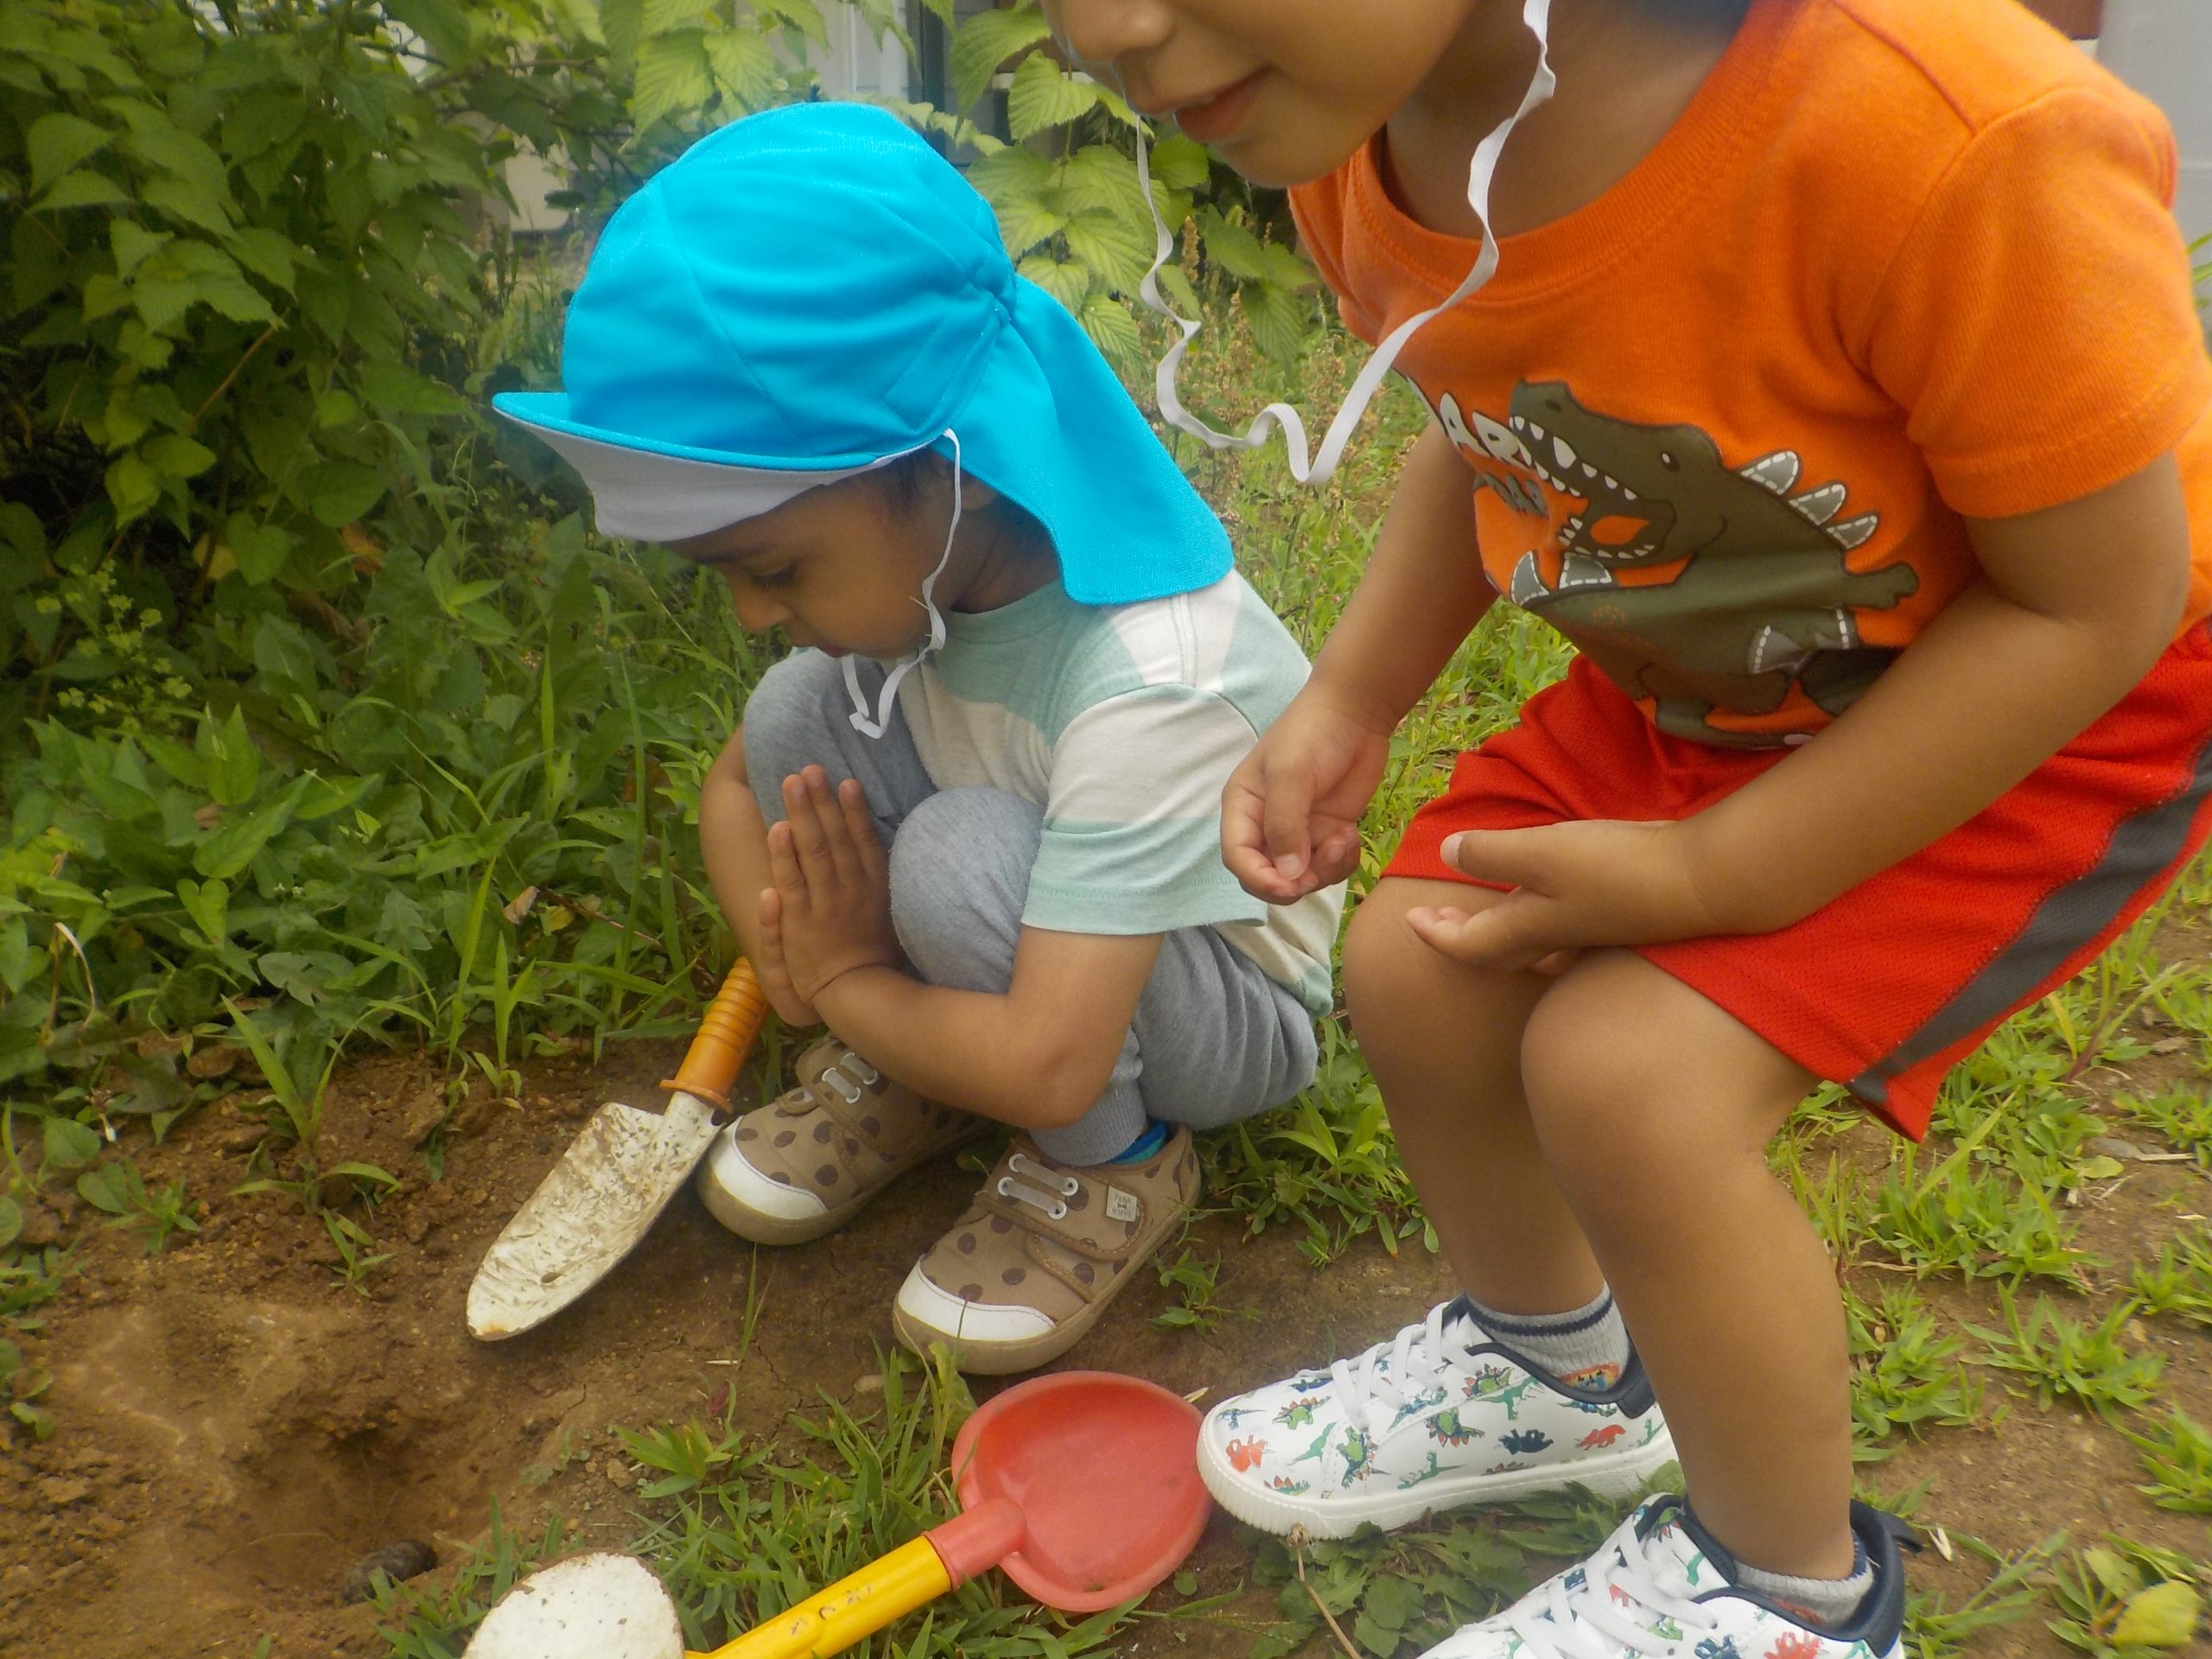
(972, 823)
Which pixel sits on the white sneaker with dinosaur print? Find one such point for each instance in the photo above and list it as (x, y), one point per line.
(1661, 1587)
(1442, 1414)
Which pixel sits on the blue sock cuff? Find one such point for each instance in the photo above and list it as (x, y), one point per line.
(1153, 1138)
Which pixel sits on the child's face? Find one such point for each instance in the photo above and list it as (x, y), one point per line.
(1284, 90)
(840, 568)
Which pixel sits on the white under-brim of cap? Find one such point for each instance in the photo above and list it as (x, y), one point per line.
(657, 497)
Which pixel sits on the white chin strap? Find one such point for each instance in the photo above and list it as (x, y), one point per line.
(1316, 469)
(874, 724)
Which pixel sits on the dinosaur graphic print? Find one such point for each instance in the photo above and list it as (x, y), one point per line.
(1696, 582)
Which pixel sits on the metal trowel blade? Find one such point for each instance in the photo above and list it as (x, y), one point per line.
(591, 1208)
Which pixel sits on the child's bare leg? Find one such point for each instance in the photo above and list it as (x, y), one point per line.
(1655, 1108)
(1444, 1042)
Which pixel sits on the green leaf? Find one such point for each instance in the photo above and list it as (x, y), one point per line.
(188, 201)
(1280, 320)
(1113, 331)
(107, 1188)
(132, 243)
(209, 905)
(2164, 1616)
(69, 1144)
(259, 549)
(235, 297)
(233, 765)
(1066, 280)
(988, 40)
(395, 386)
(673, 74)
(745, 63)
(1179, 163)
(133, 486)
(83, 188)
(266, 254)
(230, 849)
(11, 1226)
(1045, 95)
(340, 492)
(57, 142)
(177, 456)
(443, 25)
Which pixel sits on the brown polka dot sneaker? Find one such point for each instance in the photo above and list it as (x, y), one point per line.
(811, 1159)
(1041, 1251)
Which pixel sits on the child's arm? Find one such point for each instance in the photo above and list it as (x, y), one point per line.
(2075, 605)
(1039, 1056)
(1290, 815)
(734, 842)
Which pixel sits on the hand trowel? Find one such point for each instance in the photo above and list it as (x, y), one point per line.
(615, 1178)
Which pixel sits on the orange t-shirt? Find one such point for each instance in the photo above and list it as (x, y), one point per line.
(1897, 263)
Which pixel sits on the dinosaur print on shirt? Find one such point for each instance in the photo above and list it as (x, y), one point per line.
(1694, 583)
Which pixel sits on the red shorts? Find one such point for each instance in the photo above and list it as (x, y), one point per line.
(1886, 987)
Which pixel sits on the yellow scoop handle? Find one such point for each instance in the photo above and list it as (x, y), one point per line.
(886, 1589)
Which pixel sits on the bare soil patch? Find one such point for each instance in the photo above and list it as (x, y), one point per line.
(236, 1428)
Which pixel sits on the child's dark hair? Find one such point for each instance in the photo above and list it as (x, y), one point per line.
(906, 481)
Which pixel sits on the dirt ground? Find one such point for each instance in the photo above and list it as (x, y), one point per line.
(234, 1428)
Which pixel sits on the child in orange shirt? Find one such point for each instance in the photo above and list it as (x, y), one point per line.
(1839, 393)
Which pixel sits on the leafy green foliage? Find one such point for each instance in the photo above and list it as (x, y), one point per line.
(1906, 1372)
(2121, 1598)
(2071, 1359)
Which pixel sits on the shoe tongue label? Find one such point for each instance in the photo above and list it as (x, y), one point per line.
(1120, 1205)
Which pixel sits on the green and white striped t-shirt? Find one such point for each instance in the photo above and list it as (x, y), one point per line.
(1121, 723)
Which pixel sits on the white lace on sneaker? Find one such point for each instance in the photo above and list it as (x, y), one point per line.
(1590, 1613)
(1035, 1198)
(1406, 1367)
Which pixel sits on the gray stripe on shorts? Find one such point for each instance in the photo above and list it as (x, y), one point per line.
(2145, 842)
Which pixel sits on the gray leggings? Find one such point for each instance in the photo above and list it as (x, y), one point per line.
(1214, 1040)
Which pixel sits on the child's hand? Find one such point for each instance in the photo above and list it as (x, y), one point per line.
(1290, 811)
(830, 909)
(1575, 887)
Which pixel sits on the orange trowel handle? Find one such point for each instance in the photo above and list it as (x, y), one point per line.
(886, 1589)
(726, 1035)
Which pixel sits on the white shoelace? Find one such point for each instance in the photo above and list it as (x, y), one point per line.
(1419, 1358)
(1036, 1197)
(1594, 1619)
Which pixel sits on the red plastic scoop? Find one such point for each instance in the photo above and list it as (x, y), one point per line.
(1104, 1471)
(1084, 1486)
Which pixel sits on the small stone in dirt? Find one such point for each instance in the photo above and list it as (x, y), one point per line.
(208, 1063)
(42, 1227)
(408, 1559)
(424, 1113)
(60, 1493)
(246, 1137)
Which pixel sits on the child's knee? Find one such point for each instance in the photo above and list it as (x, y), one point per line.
(960, 876)
(784, 723)
(1397, 989)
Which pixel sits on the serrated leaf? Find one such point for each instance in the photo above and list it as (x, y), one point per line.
(745, 63)
(443, 25)
(266, 254)
(1045, 95)
(1065, 280)
(189, 202)
(58, 140)
(83, 188)
(1231, 246)
(177, 456)
(1179, 163)
(1113, 331)
(69, 1144)
(673, 74)
(131, 242)
(133, 486)
(988, 40)
(2164, 1616)
(1279, 318)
